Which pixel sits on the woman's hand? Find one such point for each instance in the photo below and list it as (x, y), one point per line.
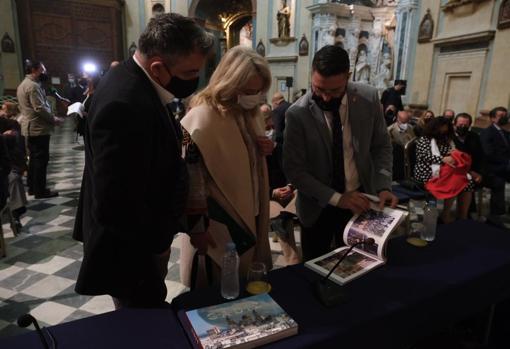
(449, 161)
(265, 145)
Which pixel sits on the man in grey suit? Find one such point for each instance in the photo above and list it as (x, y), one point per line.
(336, 147)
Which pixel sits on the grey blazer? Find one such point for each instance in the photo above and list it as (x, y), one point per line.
(307, 160)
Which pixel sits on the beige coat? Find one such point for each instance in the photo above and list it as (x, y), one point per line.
(37, 119)
(226, 160)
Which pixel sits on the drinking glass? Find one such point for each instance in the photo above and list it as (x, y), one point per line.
(257, 279)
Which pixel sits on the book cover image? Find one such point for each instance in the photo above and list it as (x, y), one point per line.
(240, 322)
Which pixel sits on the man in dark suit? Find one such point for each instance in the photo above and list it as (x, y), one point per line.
(496, 146)
(393, 96)
(134, 182)
(280, 106)
(336, 146)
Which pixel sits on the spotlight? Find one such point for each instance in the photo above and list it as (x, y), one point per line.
(89, 68)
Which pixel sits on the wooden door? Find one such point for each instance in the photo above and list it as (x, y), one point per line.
(66, 33)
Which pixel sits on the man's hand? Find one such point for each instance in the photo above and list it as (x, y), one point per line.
(477, 178)
(387, 197)
(58, 121)
(265, 145)
(201, 241)
(10, 133)
(354, 201)
(283, 193)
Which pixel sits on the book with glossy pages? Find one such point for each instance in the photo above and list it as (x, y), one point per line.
(374, 223)
(242, 323)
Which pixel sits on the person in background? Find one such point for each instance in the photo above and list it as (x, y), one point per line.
(449, 114)
(401, 131)
(229, 187)
(496, 147)
(135, 183)
(336, 147)
(393, 96)
(423, 120)
(434, 149)
(280, 106)
(37, 125)
(10, 131)
(281, 209)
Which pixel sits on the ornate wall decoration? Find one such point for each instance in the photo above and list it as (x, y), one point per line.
(261, 49)
(426, 28)
(504, 15)
(303, 46)
(7, 44)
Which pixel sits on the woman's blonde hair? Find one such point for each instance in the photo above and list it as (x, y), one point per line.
(421, 120)
(238, 66)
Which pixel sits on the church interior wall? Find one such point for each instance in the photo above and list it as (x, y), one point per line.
(10, 63)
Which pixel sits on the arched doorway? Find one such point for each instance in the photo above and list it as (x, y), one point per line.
(229, 21)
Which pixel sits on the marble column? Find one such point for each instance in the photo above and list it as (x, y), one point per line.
(407, 19)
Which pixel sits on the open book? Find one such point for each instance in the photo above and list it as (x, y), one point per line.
(242, 323)
(375, 224)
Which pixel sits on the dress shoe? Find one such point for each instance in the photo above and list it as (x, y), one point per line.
(47, 194)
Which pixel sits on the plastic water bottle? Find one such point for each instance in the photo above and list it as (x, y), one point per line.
(429, 221)
(230, 273)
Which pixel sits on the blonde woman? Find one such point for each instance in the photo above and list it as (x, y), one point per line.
(225, 152)
(425, 118)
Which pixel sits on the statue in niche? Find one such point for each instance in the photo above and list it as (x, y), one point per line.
(303, 46)
(383, 78)
(362, 69)
(328, 36)
(283, 18)
(426, 28)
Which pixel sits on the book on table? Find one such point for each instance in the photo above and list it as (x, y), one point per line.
(242, 323)
(374, 223)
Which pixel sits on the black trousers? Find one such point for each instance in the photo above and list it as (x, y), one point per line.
(39, 152)
(316, 240)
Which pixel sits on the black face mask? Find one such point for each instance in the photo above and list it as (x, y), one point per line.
(462, 131)
(44, 77)
(503, 121)
(332, 104)
(181, 88)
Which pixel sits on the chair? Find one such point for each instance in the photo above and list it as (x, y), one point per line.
(408, 189)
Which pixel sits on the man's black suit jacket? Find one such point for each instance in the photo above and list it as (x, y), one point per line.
(279, 120)
(473, 147)
(134, 184)
(496, 150)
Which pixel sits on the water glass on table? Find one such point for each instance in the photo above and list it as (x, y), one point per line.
(257, 279)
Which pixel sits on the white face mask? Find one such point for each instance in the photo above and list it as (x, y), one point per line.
(248, 102)
(269, 133)
(403, 127)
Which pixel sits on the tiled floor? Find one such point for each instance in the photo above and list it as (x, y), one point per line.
(42, 263)
(39, 272)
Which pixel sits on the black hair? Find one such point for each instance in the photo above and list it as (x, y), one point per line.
(171, 34)
(463, 115)
(31, 65)
(494, 111)
(331, 60)
(432, 128)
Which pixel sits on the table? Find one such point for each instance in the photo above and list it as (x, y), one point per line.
(126, 328)
(418, 292)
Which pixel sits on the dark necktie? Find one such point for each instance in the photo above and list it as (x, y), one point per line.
(503, 135)
(175, 124)
(338, 153)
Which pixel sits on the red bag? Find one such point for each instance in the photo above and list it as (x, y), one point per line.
(452, 180)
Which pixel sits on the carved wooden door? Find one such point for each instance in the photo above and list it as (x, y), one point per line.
(66, 33)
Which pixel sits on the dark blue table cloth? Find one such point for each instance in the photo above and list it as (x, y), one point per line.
(126, 328)
(418, 292)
